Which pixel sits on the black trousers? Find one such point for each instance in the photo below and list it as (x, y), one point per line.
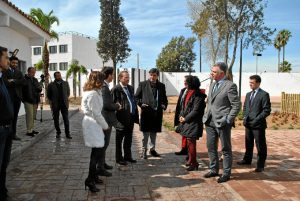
(65, 114)
(17, 105)
(5, 151)
(101, 161)
(124, 137)
(96, 155)
(259, 135)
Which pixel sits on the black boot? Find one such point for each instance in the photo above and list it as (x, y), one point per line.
(91, 185)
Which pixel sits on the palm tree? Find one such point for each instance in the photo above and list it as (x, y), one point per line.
(46, 21)
(39, 65)
(285, 67)
(278, 46)
(284, 36)
(74, 69)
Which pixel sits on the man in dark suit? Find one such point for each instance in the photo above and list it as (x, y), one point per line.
(6, 118)
(109, 113)
(223, 107)
(15, 81)
(58, 95)
(152, 99)
(123, 94)
(257, 107)
(184, 148)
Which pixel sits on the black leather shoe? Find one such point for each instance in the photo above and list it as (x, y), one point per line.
(259, 170)
(98, 181)
(57, 135)
(122, 162)
(108, 167)
(182, 152)
(35, 132)
(30, 134)
(243, 162)
(192, 168)
(211, 174)
(68, 136)
(130, 160)
(91, 186)
(16, 138)
(104, 173)
(154, 153)
(223, 178)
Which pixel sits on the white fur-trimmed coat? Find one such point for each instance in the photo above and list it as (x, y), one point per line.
(93, 122)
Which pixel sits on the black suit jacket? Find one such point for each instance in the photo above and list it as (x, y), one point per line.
(255, 116)
(109, 107)
(53, 94)
(14, 87)
(151, 119)
(178, 107)
(124, 116)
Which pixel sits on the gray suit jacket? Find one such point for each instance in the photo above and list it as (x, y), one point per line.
(109, 107)
(223, 105)
(255, 116)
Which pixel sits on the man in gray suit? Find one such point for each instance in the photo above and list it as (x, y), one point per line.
(223, 107)
(256, 108)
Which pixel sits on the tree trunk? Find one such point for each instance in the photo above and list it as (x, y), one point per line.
(74, 85)
(45, 59)
(278, 60)
(283, 54)
(79, 84)
(115, 71)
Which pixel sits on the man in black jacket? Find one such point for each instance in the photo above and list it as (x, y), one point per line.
(15, 81)
(58, 95)
(123, 94)
(31, 98)
(6, 117)
(152, 99)
(257, 107)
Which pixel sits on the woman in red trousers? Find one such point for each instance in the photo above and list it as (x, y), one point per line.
(191, 119)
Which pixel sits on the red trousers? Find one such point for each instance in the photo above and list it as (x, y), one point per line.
(192, 152)
(184, 143)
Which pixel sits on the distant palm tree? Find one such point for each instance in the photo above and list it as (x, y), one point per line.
(74, 69)
(285, 67)
(46, 21)
(284, 36)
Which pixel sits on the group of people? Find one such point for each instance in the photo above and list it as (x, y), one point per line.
(104, 108)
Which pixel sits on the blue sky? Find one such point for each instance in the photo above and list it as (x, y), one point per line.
(153, 23)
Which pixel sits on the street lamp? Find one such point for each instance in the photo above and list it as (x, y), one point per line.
(242, 31)
(257, 55)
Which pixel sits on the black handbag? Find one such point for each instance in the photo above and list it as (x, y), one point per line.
(179, 128)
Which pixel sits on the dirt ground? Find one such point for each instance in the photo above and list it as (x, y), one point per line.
(275, 121)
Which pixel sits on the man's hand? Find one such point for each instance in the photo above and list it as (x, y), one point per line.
(119, 106)
(181, 119)
(163, 107)
(10, 80)
(144, 105)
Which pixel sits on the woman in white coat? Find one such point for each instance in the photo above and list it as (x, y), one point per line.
(93, 124)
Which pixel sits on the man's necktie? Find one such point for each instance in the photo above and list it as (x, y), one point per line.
(215, 88)
(252, 97)
(131, 99)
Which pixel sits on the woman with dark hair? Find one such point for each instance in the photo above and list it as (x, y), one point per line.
(191, 119)
(93, 125)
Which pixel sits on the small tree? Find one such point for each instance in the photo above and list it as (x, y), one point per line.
(74, 69)
(39, 65)
(283, 37)
(177, 55)
(285, 67)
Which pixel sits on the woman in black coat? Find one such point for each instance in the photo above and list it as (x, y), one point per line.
(190, 119)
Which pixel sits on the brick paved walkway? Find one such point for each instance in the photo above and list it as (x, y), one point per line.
(55, 170)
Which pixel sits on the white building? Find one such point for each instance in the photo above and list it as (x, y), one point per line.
(19, 32)
(70, 46)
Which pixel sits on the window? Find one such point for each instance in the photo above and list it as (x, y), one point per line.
(63, 66)
(52, 49)
(37, 51)
(63, 48)
(53, 66)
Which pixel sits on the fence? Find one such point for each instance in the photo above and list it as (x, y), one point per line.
(290, 103)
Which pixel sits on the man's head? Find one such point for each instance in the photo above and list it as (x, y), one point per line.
(14, 62)
(218, 71)
(3, 58)
(185, 80)
(254, 81)
(153, 74)
(109, 73)
(57, 76)
(124, 77)
(31, 71)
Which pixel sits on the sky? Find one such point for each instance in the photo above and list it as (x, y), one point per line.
(153, 23)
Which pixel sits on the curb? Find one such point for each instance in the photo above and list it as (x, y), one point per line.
(17, 152)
